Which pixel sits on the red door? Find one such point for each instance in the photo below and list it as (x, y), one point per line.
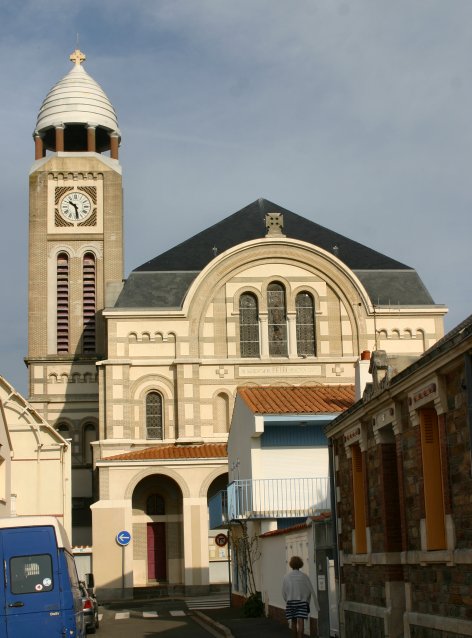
(156, 551)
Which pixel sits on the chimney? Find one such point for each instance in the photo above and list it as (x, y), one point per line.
(362, 373)
(379, 369)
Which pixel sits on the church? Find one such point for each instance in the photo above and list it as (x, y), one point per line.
(141, 374)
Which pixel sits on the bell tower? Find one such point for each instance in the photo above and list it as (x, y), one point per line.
(75, 265)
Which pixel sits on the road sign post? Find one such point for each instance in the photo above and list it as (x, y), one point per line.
(123, 539)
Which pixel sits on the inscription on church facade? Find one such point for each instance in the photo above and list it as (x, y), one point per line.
(269, 371)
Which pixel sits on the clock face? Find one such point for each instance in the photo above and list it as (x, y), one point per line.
(75, 206)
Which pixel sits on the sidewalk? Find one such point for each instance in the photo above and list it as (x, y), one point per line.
(230, 623)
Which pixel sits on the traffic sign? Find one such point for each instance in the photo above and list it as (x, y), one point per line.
(221, 540)
(123, 538)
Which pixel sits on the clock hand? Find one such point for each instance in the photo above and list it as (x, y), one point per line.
(76, 209)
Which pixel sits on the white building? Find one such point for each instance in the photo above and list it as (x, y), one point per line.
(35, 462)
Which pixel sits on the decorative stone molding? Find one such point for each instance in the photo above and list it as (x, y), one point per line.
(355, 434)
(384, 423)
(430, 392)
(275, 224)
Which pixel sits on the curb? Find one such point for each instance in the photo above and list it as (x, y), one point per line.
(218, 627)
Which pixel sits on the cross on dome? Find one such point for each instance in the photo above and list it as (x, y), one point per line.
(77, 57)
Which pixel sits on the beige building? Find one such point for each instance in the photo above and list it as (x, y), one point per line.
(35, 462)
(263, 297)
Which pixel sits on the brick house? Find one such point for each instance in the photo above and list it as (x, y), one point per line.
(404, 497)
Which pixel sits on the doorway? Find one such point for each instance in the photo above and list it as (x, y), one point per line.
(156, 552)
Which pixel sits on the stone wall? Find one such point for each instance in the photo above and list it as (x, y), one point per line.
(363, 626)
(399, 587)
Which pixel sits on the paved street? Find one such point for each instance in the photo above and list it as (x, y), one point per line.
(166, 618)
(140, 624)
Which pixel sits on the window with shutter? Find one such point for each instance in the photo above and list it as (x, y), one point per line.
(432, 480)
(89, 302)
(62, 303)
(358, 482)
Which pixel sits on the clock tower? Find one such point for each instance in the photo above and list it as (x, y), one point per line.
(75, 266)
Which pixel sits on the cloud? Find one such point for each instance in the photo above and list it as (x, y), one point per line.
(356, 115)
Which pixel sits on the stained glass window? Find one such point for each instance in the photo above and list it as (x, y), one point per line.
(277, 320)
(248, 325)
(305, 324)
(153, 415)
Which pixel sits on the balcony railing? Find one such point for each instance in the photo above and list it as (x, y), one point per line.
(270, 498)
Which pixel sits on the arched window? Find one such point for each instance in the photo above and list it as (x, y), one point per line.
(221, 420)
(62, 303)
(305, 308)
(89, 435)
(63, 430)
(277, 320)
(89, 302)
(154, 415)
(248, 325)
(155, 505)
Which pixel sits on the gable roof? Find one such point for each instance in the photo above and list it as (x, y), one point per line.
(174, 452)
(248, 224)
(297, 399)
(163, 282)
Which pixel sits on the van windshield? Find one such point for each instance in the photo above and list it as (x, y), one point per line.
(31, 574)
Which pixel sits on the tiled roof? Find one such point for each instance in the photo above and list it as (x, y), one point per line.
(297, 399)
(174, 452)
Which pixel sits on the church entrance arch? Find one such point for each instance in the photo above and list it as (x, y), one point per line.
(158, 531)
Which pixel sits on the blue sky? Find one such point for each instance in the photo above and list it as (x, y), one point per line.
(356, 115)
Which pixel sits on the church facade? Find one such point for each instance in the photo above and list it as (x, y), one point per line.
(146, 373)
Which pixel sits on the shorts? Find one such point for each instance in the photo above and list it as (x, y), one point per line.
(297, 609)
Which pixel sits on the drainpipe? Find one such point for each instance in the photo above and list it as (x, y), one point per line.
(334, 512)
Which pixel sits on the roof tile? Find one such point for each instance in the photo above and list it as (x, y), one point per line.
(174, 452)
(297, 399)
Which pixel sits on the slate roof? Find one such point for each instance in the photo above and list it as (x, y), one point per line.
(174, 452)
(297, 399)
(249, 223)
(163, 281)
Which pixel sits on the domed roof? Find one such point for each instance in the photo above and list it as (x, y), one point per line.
(77, 99)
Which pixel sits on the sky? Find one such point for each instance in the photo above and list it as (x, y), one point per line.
(354, 114)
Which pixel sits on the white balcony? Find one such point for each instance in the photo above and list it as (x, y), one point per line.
(277, 498)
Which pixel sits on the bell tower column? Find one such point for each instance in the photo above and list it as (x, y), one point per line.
(76, 219)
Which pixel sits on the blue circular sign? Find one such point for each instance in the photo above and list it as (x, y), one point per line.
(123, 538)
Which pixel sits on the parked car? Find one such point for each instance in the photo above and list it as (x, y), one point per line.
(90, 607)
